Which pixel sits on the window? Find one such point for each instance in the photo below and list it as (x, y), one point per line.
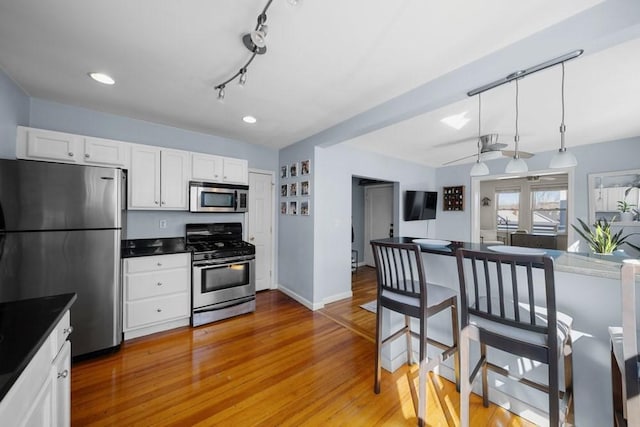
(508, 210)
(549, 210)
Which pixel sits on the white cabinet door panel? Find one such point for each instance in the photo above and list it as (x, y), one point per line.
(145, 285)
(105, 152)
(174, 179)
(49, 145)
(205, 167)
(236, 171)
(148, 311)
(144, 177)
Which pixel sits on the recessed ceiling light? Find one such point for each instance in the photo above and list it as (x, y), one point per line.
(457, 121)
(102, 78)
(249, 119)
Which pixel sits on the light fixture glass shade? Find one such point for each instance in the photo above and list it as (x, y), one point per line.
(563, 159)
(258, 37)
(479, 169)
(243, 78)
(516, 165)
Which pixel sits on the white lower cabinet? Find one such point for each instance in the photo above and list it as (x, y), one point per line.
(157, 293)
(41, 396)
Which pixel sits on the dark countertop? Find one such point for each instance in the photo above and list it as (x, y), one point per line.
(589, 264)
(24, 327)
(147, 247)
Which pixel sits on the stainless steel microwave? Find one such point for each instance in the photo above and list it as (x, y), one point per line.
(212, 197)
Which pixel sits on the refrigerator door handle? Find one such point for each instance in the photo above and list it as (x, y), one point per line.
(110, 178)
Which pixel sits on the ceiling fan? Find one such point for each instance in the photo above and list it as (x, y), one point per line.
(491, 149)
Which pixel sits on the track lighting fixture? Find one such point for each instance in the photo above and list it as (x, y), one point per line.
(255, 42)
(479, 168)
(563, 158)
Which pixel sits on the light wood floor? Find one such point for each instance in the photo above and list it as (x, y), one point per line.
(280, 366)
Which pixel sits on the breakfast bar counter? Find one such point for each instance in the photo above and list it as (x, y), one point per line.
(587, 289)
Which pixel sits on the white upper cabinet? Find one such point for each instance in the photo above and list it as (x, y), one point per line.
(207, 167)
(106, 152)
(158, 178)
(48, 145)
(39, 144)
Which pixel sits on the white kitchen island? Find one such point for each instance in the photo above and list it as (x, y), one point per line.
(588, 289)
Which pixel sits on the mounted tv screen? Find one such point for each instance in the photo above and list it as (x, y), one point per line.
(420, 205)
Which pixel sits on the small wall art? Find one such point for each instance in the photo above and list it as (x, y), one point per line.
(293, 169)
(305, 167)
(304, 207)
(283, 208)
(305, 188)
(293, 207)
(283, 190)
(283, 171)
(293, 189)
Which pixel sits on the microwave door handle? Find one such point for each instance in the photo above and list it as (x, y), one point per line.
(235, 200)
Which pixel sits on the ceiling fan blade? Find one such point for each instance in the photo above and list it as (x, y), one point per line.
(456, 142)
(523, 154)
(458, 160)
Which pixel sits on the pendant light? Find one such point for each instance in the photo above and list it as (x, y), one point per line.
(563, 158)
(516, 165)
(479, 168)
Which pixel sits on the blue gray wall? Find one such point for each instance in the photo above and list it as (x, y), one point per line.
(14, 111)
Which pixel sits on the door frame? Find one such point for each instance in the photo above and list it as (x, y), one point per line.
(274, 233)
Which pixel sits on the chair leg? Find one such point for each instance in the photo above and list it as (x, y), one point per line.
(455, 333)
(485, 375)
(407, 323)
(465, 383)
(422, 381)
(568, 380)
(554, 402)
(376, 383)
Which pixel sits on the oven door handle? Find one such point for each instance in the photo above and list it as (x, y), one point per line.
(226, 263)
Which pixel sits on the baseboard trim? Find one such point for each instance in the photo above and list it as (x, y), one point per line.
(302, 300)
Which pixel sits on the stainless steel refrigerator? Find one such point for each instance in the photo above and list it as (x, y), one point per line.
(60, 231)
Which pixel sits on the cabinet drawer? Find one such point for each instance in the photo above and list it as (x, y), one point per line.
(155, 310)
(145, 285)
(155, 263)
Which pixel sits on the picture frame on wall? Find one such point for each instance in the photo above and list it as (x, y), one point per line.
(293, 169)
(283, 171)
(283, 208)
(304, 207)
(305, 167)
(305, 188)
(293, 189)
(293, 207)
(283, 190)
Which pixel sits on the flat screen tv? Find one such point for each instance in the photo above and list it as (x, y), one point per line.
(420, 205)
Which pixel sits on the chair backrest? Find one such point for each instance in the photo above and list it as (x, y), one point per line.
(400, 271)
(506, 288)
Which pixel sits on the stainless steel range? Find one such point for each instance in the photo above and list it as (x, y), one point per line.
(223, 277)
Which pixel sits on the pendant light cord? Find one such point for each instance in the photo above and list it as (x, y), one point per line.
(563, 128)
(516, 138)
(479, 121)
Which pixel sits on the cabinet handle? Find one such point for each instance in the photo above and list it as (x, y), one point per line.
(68, 330)
(156, 202)
(87, 155)
(159, 310)
(159, 264)
(252, 238)
(159, 283)
(70, 154)
(162, 202)
(63, 374)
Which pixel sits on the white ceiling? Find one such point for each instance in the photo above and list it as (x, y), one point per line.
(327, 62)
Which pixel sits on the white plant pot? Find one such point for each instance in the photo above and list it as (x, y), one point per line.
(626, 216)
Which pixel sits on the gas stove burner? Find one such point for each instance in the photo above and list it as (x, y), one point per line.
(217, 240)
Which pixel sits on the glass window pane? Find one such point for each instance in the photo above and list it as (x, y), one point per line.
(508, 210)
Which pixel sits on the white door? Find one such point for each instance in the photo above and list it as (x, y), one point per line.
(260, 226)
(378, 217)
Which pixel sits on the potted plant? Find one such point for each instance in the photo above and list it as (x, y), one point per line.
(626, 214)
(601, 239)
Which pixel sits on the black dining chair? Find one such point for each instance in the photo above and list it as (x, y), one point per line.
(403, 288)
(508, 303)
